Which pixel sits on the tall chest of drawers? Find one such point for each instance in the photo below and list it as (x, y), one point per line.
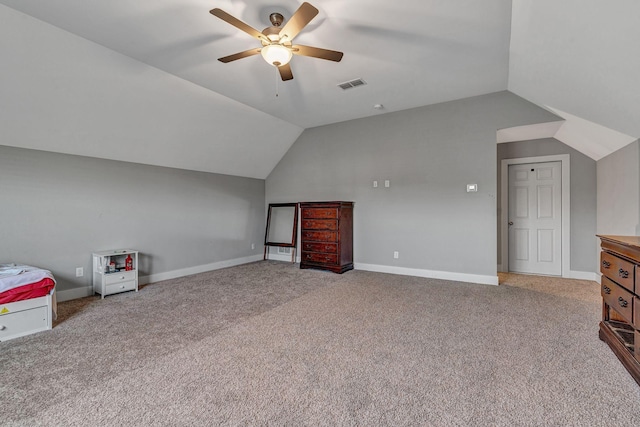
(620, 287)
(327, 236)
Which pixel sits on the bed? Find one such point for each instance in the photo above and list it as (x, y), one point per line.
(27, 300)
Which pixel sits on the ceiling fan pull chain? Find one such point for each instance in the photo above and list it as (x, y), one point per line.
(276, 68)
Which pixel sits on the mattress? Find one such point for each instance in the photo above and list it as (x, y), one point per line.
(20, 282)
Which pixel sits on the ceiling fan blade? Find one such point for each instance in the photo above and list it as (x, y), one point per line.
(285, 72)
(298, 21)
(238, 23)
(316, 52)
(240, 55)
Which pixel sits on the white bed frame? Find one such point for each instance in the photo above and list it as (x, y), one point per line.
(27, 317)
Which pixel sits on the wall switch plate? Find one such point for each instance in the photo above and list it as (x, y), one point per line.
(253, 246)
(79, 272)
(472, 188)
(375, 184)
(396, 254)
(386, 183)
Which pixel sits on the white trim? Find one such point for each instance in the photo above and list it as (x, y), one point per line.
(168, 275)
(566, 208)
(431, 274)
(87, 291)
(281, 257)
(75, 293)
(529, 132)
(583, 275)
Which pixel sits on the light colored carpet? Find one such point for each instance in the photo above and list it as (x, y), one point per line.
(270, 344)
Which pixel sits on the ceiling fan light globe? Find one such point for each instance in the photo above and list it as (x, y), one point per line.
(276, 55)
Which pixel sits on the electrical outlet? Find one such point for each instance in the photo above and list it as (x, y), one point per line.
(253, 246)
(79, 272)
(386, 183)
(396, 254)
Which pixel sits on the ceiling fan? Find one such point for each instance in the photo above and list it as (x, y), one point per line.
(277, 48)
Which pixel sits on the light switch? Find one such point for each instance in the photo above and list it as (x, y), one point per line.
(375, 184)
(386, 183)
(472, 188)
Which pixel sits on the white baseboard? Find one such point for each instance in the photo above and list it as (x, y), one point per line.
(583, 275)
(431, 274)
(168, 275)
(143, 280)
(580, 275)
(75, 293)
(281, 257)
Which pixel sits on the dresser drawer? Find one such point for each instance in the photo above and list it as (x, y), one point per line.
(122, 276)
(20, 323)
(618, 270)
(321, 213)
(120, 287)
(331, 248)
(320, 236)
(320, 258)
(618, 298)
(319, 224)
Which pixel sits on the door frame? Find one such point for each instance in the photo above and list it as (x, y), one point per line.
(566, 208)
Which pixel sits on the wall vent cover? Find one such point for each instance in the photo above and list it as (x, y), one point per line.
(352, 83)
(282, 250)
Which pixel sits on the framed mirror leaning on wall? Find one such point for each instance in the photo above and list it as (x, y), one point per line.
(282, 227)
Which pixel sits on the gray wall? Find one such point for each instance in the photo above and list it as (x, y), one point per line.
(583, 196)
(619, 192)
(429, 154)
(57, 209)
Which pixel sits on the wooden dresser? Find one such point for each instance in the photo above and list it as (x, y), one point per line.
(327, 236)
(620, 287)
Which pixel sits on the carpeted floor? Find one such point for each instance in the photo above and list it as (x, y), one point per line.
(270, 344)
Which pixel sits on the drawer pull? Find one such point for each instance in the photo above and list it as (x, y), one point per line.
(327, 248)
(328, 258)
(607, 290)
(622, 302)
(308, 256)
(623, 273)
(606, 264)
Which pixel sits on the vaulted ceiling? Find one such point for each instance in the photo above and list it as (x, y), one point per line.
(573, 56)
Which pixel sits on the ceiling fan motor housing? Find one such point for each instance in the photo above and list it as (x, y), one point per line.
(276, 19)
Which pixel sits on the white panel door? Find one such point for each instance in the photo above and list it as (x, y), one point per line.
(535, 218)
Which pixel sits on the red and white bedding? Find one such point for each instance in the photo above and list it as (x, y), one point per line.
(22, 282)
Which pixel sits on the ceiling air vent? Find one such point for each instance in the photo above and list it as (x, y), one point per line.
(352, 83)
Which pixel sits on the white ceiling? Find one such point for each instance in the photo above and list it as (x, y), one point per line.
(578, 56)
(411, 53)
(581, 57)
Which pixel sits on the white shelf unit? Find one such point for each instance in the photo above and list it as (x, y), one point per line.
(107, 282)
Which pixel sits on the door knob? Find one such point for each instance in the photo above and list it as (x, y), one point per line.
(510, 222)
